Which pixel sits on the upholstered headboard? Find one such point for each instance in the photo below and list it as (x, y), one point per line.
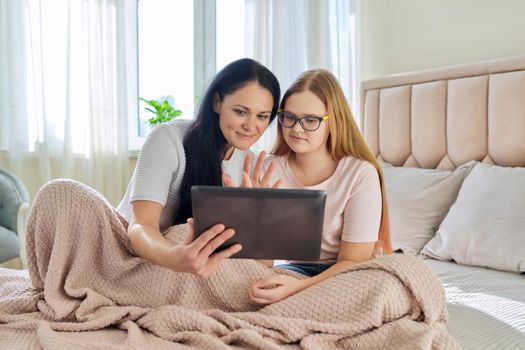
(442, 118)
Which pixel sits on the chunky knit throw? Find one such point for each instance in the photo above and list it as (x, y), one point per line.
(86, 289)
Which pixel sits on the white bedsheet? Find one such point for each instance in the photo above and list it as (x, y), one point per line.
(486, 307)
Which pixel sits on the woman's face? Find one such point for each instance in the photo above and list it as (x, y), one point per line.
(306, 104)
(244, 115)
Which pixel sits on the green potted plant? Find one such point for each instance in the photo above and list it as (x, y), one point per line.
(163, 109)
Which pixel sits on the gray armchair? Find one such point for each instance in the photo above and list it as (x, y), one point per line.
(14, 209)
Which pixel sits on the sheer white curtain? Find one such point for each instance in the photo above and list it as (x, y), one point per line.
(65, 91)
(291, 36)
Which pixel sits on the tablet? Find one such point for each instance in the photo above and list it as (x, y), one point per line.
(269, 223)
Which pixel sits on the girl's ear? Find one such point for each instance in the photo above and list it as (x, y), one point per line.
(217, 103)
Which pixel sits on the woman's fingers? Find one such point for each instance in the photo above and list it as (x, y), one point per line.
(258, 284)
(258, 167)
(211, 264)
(260, 300)
(227, 181)
(257, 300)
(264, 292)
(246, 180)
(258, 179)
(278, 184)
(191, 234)
(216, 258)
(201, 241)
(266, 178)
(198, 256)
(269, 282)
(216, 242)
(247, 163)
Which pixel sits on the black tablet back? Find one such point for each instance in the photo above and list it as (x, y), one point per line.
(269, 223)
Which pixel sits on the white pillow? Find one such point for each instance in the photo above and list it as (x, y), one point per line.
(418, 200)
(486, 226)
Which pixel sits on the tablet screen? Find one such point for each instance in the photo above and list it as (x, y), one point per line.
(269, 223)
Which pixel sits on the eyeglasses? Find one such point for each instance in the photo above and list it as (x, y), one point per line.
(308, 122)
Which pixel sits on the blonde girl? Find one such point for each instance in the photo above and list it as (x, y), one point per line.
(319, 146)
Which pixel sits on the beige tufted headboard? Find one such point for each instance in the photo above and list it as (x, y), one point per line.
(444, 117)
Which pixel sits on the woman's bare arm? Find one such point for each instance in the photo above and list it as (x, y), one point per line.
(194, 256)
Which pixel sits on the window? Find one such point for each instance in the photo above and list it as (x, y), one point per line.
(165, 56)
(60, 79)
(231, 40)
(176, 52)
(182, 44)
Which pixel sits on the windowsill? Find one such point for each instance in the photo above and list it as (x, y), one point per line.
(133, 153)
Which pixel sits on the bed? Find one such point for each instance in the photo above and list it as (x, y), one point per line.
(448, 132)
(438, 134)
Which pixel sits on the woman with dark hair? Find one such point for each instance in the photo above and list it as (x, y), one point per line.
(85, 255)
(236, 109)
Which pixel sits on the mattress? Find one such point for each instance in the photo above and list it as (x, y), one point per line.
(486, 307)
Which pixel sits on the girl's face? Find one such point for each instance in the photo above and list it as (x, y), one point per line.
(306, 104)
(244, 115)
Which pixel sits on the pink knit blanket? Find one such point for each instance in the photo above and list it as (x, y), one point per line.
(86, 289)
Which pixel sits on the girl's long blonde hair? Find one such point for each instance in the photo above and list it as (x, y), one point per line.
(345, 139)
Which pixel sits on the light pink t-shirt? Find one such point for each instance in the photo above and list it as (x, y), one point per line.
(353, 202)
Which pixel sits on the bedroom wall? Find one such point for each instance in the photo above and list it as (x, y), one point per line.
(406, 35)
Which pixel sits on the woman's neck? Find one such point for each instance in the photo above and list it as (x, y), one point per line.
(313, 168)
(229, 152)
